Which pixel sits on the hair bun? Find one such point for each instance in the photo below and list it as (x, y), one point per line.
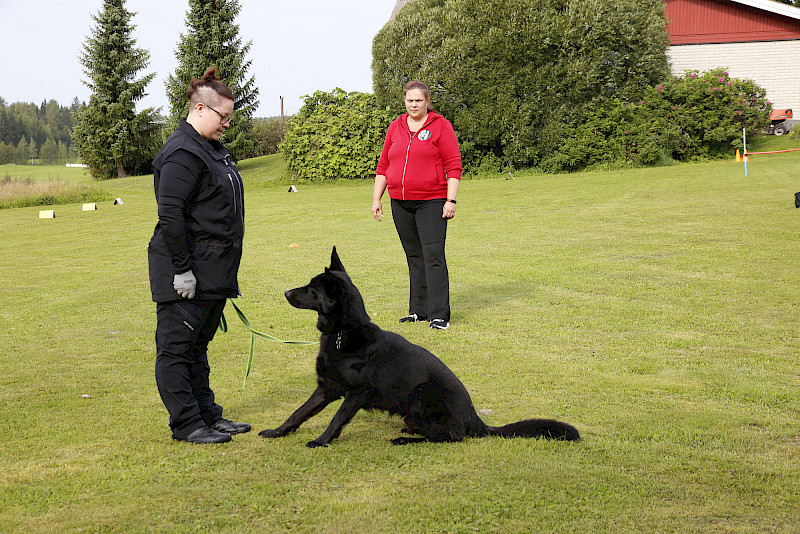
(211, 74)
(210, 81)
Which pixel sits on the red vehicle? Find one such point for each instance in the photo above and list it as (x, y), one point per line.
(780, 121)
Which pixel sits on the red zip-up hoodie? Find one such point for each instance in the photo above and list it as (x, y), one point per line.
(418, 165)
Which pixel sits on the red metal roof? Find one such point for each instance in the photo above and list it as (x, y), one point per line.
(724, 21)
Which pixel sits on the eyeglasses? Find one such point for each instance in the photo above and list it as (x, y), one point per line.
(222, 118)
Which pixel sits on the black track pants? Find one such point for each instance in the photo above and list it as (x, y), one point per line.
(184, 330)
(422, 232)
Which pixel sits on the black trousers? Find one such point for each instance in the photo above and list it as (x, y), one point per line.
(184, 330)
(422, 232)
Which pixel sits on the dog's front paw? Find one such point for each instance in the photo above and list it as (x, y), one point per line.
(271, 433)
(314, 444)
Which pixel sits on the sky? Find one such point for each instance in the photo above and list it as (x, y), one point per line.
(299, 47)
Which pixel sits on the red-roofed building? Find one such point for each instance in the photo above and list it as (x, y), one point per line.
(754, 39)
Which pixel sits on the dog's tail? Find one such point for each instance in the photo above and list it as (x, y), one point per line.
(537, 428)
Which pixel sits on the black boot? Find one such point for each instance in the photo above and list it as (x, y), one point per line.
(205, 434)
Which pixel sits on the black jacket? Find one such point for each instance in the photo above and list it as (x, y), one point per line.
(200, 217)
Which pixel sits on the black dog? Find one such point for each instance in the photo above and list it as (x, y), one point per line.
(374, 369)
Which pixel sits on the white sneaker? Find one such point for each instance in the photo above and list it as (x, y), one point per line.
(440, 324)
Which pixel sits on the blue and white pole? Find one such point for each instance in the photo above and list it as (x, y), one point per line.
(744, 144)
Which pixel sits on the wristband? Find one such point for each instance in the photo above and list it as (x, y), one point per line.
(451, 200)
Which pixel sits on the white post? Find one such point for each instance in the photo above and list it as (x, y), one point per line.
(744, 144)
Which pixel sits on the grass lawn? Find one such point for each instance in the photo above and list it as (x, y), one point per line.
(655, 309)
(33, 185)
(45, 172)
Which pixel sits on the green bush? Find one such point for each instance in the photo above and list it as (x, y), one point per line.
(516, 77)
(710, 109)
(267, 134)
(615, 134)
(695, 115)
(336, 135)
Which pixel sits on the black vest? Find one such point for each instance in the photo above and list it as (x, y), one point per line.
(214, 222)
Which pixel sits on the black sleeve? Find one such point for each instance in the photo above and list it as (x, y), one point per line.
(180, 176)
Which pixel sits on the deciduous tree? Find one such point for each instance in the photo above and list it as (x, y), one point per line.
(514, 76)
(48, 154)
(23, 152)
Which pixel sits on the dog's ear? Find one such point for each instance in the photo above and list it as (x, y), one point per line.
(336, 263)
(353, 311)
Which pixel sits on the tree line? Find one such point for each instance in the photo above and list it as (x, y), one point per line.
(43, 134)
(30, 132)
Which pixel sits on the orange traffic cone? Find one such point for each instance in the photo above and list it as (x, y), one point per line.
(738, 156)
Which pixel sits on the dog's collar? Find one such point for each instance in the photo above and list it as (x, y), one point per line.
(340, 334)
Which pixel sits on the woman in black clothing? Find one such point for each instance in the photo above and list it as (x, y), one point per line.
(194, 259)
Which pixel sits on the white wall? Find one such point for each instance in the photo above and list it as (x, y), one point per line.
(774, 65)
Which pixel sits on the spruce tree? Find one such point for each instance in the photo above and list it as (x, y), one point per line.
(110, 136)
(213, 39)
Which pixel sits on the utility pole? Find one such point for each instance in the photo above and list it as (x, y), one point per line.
(282, 109)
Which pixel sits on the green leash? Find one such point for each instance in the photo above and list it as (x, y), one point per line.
(223, 327)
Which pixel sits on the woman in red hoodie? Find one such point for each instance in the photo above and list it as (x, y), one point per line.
(421, 167)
